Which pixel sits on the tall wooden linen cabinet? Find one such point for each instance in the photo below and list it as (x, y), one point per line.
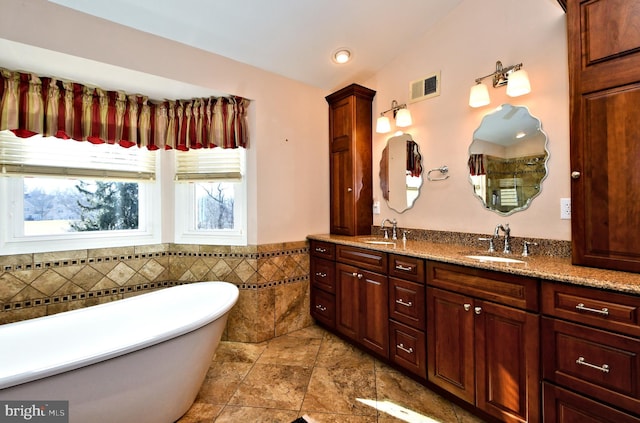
(350, 135)
(604, 74)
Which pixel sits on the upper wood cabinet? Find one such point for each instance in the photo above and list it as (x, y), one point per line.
(350, 134)
(604, 71)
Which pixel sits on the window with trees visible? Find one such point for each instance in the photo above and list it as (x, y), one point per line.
(63, 194)
(211, 196)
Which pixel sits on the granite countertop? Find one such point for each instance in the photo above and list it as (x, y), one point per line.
(545, 267)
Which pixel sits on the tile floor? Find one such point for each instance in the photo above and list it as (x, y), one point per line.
(312, 372)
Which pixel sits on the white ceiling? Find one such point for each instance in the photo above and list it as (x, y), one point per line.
(293, 38)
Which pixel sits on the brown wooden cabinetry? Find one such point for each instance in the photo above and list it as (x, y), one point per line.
(407, 344)
(594, 353)
(483, 339)
(604, 69)
(323, 286)
(362, 297)
(350, 135)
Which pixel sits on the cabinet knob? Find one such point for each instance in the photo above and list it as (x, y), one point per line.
(357, 275)
(477, 310)
(467, 307)
(349, 189)
(575, 174)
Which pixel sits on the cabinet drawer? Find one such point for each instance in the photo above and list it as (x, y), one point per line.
(607, 310)
(375, 261)
(409, 268)
(323, 307)
(407, 303)
(323, 274)
(408, 348)
(562, 406)
(323, 249)
(596, 363)
(504, 288)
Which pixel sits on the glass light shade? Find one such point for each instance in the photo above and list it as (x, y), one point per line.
(342, 56)
(518, 83)
(403, 118)
(479, 95)
(383, 125)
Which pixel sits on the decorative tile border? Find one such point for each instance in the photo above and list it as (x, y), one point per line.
(252, 256)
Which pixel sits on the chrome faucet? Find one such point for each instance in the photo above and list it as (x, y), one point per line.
(507, 236)
(394, 229)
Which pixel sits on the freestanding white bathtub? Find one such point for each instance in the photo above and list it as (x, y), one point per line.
(141, 359)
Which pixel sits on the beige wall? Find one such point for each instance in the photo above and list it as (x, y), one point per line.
(287, 158)
(288, 161)
(465, 46)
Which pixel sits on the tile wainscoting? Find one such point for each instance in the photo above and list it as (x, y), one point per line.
(273, 280)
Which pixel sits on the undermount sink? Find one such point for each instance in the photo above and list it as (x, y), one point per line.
(496, 259)
(378, 242)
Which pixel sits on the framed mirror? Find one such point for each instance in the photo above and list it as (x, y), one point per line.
(401, 172)
(508, 159)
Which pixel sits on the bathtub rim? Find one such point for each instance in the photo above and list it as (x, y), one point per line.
(52, 369)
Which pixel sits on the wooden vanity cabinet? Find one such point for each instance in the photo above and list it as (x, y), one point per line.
(604, 74)
(350, 164)
(591, 349)
(483, 339)
(362, 312)
(407, 314)
(323, 283)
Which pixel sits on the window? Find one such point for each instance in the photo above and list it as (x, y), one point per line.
(55, 196)
(211, 196)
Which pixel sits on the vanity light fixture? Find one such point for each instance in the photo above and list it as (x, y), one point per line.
(514, 77)
(342, 55)
(401, 114)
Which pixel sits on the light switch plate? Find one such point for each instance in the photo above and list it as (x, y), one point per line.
(376, 207)
(565, 208)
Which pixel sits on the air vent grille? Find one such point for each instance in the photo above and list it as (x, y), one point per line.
(426, 87)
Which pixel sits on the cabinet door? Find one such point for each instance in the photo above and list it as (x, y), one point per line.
(374, 304)
(604, 67)
(507, 362)
(562, 406)
(347, 300)
(450, 343)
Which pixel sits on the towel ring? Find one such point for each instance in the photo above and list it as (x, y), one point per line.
(444, 170)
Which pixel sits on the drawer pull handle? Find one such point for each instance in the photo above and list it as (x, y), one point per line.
(604, 311)
(404, 268)
(402, 347)
(321, 250)
(401, 302)
(321, 307)
(322, 275)
(604, 368)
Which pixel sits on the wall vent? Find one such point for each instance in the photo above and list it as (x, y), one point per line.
(426, 87)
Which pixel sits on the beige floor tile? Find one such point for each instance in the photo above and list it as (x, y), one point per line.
(400, 396)
(311, 371)
(273, 386)
(291, 351)
(201, 413)
(235, 414)
(341, 418)
(334, 352)
(336, 390)
(240, 352)
(222, 381)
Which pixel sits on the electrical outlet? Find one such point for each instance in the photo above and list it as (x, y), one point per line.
(565, 208)
(376, 207)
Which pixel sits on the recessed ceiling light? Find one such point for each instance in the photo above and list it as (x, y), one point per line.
(342, 55)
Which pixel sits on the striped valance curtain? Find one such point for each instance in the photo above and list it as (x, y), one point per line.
(32, 104)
